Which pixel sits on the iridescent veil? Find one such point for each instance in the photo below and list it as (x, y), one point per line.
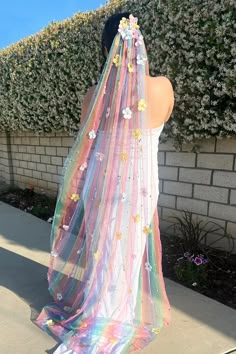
(105, 272)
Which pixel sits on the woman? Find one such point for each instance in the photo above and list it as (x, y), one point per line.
(105, 271)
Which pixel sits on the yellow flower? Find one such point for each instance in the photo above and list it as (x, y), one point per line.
(124, 22)
(83, 325)
(136, 26)
(116, 60)
(118, 235)
(137, 134)
(136, 218)
(113, 341)
(124, 156)
(96, 255)
(50, 322)
(156, 330)
(130, 68)
(142, 105)
(147, 230)
(75, 197)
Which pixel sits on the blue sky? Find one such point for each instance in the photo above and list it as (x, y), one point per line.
(21, 18)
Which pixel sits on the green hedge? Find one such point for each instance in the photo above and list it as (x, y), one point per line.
(43, 78)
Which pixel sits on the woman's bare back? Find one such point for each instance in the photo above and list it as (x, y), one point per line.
(160, 101)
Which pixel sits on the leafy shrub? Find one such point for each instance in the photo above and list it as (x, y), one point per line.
(43, 78)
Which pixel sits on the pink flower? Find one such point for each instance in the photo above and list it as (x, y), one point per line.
(31, 187)
(144, 191)
(198, 260)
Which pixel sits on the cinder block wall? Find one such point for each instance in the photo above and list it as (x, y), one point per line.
(6, 169)
(36, 160)
(204, 182)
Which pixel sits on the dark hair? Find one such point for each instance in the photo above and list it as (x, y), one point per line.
(110, 31)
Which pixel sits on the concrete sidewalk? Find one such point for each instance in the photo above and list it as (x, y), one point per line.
(199, 325)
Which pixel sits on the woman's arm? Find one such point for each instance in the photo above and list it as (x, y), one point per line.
(85, 104)
(170, 93)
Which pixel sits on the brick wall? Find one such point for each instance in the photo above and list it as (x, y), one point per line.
(35, 160)
(204, 183)
(6, 171)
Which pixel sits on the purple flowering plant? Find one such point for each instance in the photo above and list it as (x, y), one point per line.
(192, 269)
(193, 238)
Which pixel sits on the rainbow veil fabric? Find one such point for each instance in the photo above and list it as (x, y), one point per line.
(105, 273)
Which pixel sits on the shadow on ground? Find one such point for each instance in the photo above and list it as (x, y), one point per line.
(25, 278)
(28, 279)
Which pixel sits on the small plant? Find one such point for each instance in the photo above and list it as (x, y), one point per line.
(40, 211)
(195, 234)
(192, 270)
(196, 251)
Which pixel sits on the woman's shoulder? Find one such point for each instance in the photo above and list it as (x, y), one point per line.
(161, 86)
(161, 92)
(160, 81)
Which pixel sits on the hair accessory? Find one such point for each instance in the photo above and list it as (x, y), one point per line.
(128, 28)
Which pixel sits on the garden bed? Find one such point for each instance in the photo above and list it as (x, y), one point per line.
(219, 273)
(214, 276)
(38, 204)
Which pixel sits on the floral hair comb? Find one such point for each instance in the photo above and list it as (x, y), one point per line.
(128, 28)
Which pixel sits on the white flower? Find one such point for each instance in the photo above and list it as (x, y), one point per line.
(59, 296)
(148, 266)
(50, 219)
(99, 156)
(141, 59)
(67, 309)
(65, 227)
(194, 284)
(72, 274)
(83, 166)
(126, 33)
(123, 197)
(108, 112)
(54, 254)
(127, 113)
(139, 41)
(92, 134)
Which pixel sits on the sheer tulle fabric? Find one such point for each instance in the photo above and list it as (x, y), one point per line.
(105, 273)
